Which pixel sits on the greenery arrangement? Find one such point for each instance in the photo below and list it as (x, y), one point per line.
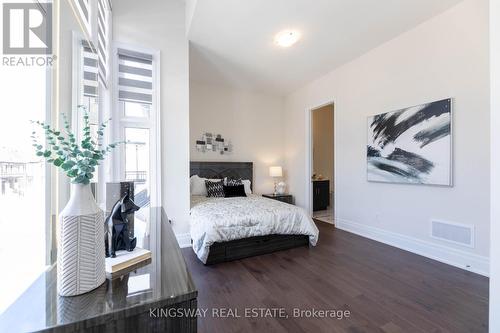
(77, 160)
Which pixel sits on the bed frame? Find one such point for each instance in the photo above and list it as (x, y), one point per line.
(247, 247)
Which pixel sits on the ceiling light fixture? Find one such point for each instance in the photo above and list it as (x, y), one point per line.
(286, 38)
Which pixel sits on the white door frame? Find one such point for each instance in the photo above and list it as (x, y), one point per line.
(494, 300)
(153, 123)
(309, 156)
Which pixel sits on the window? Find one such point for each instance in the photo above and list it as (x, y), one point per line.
(84, 10)
(135, 77)
(24, 189)
(136, 110)
(138, 125)
(89, 70)
(137, 162)
(103, 39)
(87, 93)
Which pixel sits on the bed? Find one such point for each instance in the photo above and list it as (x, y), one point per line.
(225, 229)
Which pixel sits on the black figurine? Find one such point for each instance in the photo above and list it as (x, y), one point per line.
(116, 235)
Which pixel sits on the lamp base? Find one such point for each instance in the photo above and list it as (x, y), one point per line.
(281, 188)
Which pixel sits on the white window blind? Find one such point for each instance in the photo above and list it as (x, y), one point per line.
(103, 39)
(135, 76)
(84, 9)
(89, 70)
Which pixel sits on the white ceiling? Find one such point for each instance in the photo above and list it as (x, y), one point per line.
(232, 40)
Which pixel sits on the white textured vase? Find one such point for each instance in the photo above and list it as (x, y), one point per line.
(80, 252)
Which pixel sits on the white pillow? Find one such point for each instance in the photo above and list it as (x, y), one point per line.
(246, 184)
(197, 185)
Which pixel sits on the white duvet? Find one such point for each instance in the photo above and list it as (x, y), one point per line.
(224, 219)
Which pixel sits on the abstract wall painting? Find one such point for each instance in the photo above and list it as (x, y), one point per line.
(214, 143)
(411, 145)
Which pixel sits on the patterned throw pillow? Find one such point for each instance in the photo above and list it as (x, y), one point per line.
(233, 182)
(215, 189)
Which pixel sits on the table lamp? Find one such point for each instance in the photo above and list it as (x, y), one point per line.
(275, 172)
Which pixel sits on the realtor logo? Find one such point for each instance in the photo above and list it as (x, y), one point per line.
(27, 28)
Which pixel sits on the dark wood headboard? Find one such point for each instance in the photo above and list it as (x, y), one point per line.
(219, 170)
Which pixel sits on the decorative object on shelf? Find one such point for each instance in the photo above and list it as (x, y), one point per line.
(411, 145)
(117, 235)
(80, 266)
(216, 144)
(114, 192)
(275, 172)
(281, 187)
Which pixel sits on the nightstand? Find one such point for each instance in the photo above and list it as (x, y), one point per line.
(288, 198)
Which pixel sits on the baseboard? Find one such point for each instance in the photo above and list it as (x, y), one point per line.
(184, 240)
(451, 256)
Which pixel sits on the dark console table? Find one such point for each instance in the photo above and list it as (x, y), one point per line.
(131, 303)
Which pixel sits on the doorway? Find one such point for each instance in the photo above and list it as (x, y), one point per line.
(322, 163)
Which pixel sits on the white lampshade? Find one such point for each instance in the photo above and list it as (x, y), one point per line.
(275, 171)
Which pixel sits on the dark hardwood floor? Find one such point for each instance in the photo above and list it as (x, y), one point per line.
(384, 288)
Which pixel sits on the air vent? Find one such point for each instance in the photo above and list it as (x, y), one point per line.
(457, 233)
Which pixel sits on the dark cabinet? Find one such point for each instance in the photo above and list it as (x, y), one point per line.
(321, 194)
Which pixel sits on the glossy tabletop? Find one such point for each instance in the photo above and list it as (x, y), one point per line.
(163, 282)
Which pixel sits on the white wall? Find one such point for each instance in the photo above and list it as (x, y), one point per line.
(495, 166)
(252, 121)
(161, 25)
(447, 56)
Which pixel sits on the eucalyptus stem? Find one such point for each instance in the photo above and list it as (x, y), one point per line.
(77, 160)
